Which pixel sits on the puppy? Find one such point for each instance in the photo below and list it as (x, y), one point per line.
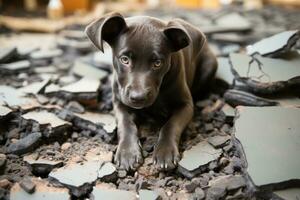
(157, 65)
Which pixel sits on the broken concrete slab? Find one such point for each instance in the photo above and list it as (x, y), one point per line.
(275, 44)
(44, 117)
(84, 85)
(107, 172)
(291, 193)
(36, 87)
(229, 112)
(197, 159)
(86, 70)
(277, 144)
(51, 88)
(46, 54)
(148, 195)
(224, 71)
(69, 176)
(225, 23)
(7, 53)
(229, 182)
(43, 191)
(14, 98)
(82, 46)
(219, 141)
(45, 69)
(27, 185)
(101, 191)
(41, 167)
(14, 67)
(4, 111)
(266, 75)
(25, 144)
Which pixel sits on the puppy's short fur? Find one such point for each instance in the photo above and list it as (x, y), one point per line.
(157, 65)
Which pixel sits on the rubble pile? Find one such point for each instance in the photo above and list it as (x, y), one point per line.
(58, 131)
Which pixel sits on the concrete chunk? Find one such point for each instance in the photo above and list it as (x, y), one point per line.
(270, 139)
(85, 70)
(101, 192)
(25, 144)
(84, 85)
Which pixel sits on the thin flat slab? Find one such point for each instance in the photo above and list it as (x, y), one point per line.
(273, 70)
(148, 195)
(7, 53)
(43, 191)
(45, 117)
(271, 45)
(100, 192)
(85, 70)
(106, 120)
(198, 156)
(84, 85)
(224, 70)
(16, 66)
(78, 177)
(4, 111)
(46, 54)
(35, 88)
(289, 194)
(270, 139)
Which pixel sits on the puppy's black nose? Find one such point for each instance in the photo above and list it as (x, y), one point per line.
(138, 96)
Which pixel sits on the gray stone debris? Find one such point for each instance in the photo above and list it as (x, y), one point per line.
(74, 106)
(275, 44)
(84, 85)
(4, 111)
(41, 167)
(148, 195)
(27, 185)
(45, 69)
(36, 87)
(7, 53)
(43, 191)
(86, 70)
(197, 159)
(218, 141)
(14, 98)
(228, 182)
(290, 193)
(102, 191)
(46, 54)
(107, 172)
(77, 177)
(199, 194)
(229, 112)
(278, 131)
(82, 45)
(15, 66)
(2, 161)
(224, 72)
(73, 34)
(215, 193)
(25, 144)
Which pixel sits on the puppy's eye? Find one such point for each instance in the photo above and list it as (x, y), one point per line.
(157, 64)
(125, 60)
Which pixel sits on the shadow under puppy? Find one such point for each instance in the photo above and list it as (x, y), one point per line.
(157, 65)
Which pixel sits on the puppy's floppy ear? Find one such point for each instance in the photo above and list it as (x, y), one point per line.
(177, 35)
(106, 28)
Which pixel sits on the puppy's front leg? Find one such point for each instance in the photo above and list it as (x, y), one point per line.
(166, 154)
(128, 155)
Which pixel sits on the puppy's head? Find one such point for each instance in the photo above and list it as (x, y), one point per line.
(142, 48)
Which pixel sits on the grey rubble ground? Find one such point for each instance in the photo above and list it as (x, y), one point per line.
(58, 134)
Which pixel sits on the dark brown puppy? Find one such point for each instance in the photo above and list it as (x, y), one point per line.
(157, 66)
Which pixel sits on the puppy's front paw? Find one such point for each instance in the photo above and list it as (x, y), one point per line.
(128, 155)
(166, 155)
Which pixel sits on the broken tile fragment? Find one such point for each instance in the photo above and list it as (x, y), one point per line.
(4, 111)
(77, 177)
(224, 71)
(46, 54)
(84, 85)
(278, 131)
(101, 191)
(45, 69)
(269, 71)
(148, 195)
(25, 144)
(218, 141)
(44, 117)
(41, 167)
(107, 172)
(43, 191)
(17, 66)
(290, 193)
(35, 88)
(86, 70)
(275, 44)
(197, 158)
(27, 185)
(229, 112)
(7, 53)
(52, 88)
